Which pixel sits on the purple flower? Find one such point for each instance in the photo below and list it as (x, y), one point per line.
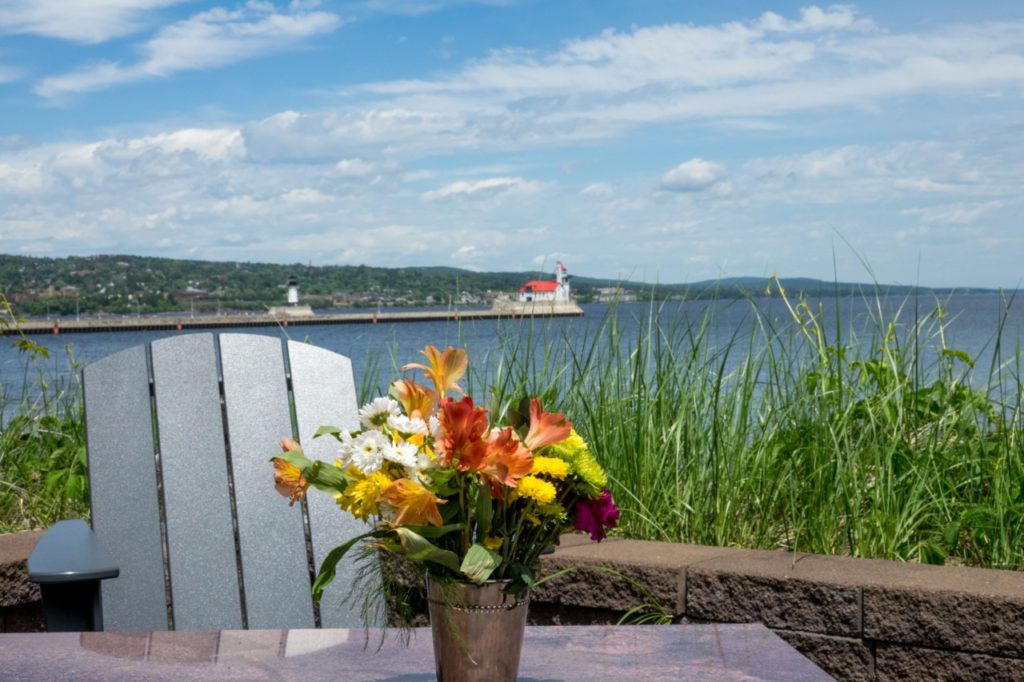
(594, 516)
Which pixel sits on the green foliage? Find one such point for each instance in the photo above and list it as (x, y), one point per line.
(43, 476)
(879, 441)
(874, 442)
(141, 285)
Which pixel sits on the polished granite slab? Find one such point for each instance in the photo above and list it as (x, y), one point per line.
(647, 652)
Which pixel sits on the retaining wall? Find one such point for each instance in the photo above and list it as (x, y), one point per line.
(859, 619)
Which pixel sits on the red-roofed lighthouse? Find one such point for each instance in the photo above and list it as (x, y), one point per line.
(542, 290)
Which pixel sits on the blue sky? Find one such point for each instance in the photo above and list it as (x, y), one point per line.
(664, 141)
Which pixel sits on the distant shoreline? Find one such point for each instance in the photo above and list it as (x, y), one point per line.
(186, 322)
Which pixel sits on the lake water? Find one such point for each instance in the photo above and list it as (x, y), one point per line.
(971, 324)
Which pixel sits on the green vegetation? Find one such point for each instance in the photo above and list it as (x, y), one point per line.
(42, 446)
(798, 434)
(143, 285)
(802, 436)
(134, 284)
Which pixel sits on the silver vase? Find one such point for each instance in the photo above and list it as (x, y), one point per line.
(477, 630)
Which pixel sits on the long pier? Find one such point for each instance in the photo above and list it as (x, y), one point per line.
(185, 321)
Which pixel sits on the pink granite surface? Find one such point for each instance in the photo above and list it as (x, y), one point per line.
(670, 652)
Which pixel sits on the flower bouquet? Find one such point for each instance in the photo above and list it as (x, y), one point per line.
(474, 501)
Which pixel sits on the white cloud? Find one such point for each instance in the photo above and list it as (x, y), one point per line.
(739, 73)
(85, 21)
(956, 213)
(598, 189)
(694, 175)
(208, 39)
(834, 18)
(489, 187)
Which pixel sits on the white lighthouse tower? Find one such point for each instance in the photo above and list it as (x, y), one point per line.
(293, 291)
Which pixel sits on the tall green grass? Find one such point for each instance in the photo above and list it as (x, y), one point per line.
(42, 444)
(803, 433)
(798, 434)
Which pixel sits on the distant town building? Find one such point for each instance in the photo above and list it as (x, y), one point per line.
(187, 293)
(543, 290)
(614, 295)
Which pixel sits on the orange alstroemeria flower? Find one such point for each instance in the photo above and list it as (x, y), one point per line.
(415, 399)
(445, 368)
(415, 504)
(546, 428)
(288, 479)
(507, 460)
(463, 426)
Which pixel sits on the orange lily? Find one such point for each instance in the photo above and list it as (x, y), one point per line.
(288, 478)
(417, 400)
(445, 368)
(507, 461)
(546, 428)
(464, 427)
(416, 504)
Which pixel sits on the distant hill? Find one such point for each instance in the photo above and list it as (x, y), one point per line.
(137, 284)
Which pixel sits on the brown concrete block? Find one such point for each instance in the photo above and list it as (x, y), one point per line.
(14, 585)
(964, 609)
(843, 658)
(615, 574)
(894, 662)
(780, 589)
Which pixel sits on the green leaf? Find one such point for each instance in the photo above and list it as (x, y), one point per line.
(434, 531)
(484, 513)
(959, 355)
(330, 565)
(479, 563)
(325, 476)
(417, 548)
(327, 430)
(951, 535)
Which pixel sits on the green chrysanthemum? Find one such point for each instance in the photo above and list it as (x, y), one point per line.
(590, 475)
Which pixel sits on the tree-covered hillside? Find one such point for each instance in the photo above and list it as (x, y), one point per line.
(135, 284)
(121, 284)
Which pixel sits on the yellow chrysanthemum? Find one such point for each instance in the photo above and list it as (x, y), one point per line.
(536, 489)
(360, 497)
(493, 544)
(550, 466)
(574, 450)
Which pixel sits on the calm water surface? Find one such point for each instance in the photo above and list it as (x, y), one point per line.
(971, 325)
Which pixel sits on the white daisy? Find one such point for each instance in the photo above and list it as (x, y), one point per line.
(346, 450)
(403, 453)
(368, 451)
(435, 428)
(374, 414)
(407, 425)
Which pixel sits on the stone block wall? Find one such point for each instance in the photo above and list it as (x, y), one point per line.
(19, 599)
(859, 619)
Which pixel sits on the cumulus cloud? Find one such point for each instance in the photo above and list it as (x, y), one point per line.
(694, 175)
(834, 18)
(742, 72)
(85, 21)
(212, 38)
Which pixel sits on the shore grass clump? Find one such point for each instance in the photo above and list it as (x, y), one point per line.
(43, 474)
(870, 437)
(801, 428)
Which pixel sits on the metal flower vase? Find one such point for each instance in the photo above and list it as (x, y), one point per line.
(477, 630)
